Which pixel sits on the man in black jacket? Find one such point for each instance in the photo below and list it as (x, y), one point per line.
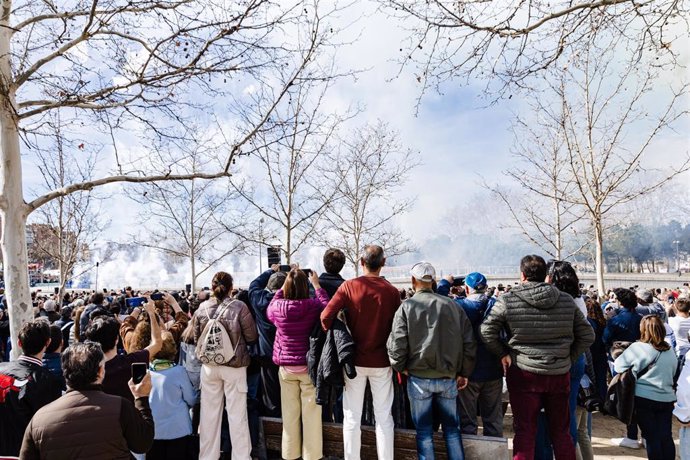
(330, 280)
(261, 292)
(25, 386)
(333, 263)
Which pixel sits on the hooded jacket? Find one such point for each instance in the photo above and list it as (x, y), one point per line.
(25, 387)
(294, 320)
(546, 330)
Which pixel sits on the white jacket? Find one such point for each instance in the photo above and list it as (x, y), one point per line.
(682, 409)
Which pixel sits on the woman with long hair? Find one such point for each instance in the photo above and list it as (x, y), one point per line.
(595, 317)
(295, 314)
(229, 379)
(562, 275)
(654, 395)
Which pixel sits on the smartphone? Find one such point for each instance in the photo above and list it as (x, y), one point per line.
(188, 288)
(138, 372)
(458, 281)
(134, 302)
(157, 296)
(57, 290)
(307, 271)
(285, 268)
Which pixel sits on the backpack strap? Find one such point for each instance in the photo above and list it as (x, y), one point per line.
(679, 370)
(221, 308)
(644, 371)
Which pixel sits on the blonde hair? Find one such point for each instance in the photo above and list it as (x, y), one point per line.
(653, 332)
(169, 348)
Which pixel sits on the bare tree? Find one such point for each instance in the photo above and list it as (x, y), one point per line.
(544, 213)
(72, 222)
(294, 196)
(370, 170)
(134, 71)
(200, 221)
(600, 107)
(508, 42)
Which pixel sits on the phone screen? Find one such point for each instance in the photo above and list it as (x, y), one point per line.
(134, 302)
(138, 372)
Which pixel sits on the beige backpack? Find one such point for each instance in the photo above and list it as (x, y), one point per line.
(214, 347)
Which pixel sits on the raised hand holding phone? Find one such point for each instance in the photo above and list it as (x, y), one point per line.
(143, 388)
(138, 372)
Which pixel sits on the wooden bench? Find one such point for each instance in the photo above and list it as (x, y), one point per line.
(476, 447)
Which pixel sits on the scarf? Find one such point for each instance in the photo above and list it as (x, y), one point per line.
(161, 364)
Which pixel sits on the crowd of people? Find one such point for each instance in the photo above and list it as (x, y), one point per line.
(312, 348)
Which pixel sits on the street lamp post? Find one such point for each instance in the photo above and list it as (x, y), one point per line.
(677, 243)
(97, 264)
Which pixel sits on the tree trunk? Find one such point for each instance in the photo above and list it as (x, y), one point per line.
(13, 211)
(192, 234)
(288, 242)
(193, 266)
(559, 236)
(62, 268)
(599, 257)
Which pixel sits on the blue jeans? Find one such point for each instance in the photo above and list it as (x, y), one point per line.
(424, 394)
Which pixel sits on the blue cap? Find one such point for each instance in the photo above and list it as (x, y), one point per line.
(476, 281)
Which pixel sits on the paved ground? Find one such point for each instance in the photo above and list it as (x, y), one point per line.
(603, 429)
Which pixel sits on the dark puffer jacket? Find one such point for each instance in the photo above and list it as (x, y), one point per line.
(99, 426)
(330, 354)
(294, 321)
(546, 330)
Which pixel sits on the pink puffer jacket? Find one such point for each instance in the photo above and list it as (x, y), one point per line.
(294, 321)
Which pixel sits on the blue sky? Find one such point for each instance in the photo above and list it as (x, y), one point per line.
(459, 138)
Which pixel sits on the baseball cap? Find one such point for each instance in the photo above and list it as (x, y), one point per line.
(475, 280)
(423, 271)
(276, 281)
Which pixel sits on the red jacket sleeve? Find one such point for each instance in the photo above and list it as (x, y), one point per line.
(339, 301)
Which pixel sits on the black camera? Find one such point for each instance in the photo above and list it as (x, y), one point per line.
(458, 281)
(588, 399)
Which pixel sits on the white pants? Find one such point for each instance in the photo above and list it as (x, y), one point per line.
(381, 382)
(231, 382)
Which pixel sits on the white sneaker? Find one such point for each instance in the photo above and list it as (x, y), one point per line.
(625, 442)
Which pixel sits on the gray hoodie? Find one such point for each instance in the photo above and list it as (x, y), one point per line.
(546, 330)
